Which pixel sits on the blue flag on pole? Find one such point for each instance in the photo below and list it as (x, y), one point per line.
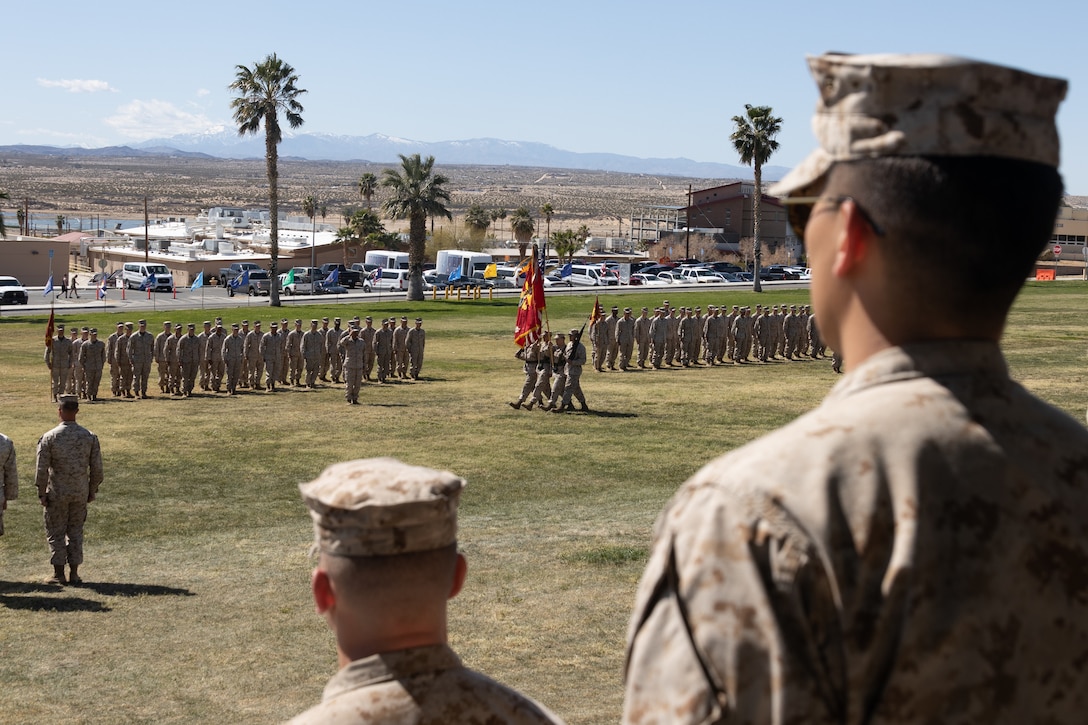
(241, 280)
(198, 281)
(148, 283)
(48, 286)
(333, 278)
(567, 271)
(455, 274)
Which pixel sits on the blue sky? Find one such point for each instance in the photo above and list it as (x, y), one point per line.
(649, 79)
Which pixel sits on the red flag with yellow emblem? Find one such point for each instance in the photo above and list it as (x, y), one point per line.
(530, 322)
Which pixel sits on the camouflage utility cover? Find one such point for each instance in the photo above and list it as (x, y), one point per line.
(926, 105)
(420, 686)
(913, 550)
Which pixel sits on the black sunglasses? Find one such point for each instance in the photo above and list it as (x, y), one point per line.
(799, 211)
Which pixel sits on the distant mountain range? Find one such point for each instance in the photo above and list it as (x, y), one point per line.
(379, 148)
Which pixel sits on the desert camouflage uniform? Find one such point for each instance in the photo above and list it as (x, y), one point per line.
(173, 364)
(69, 472)
(383, 351)
(124, 362)
(58, 357)
(400, 349)
(232, 353)
(271, 353)
(204, 366)
(253, 358)
(625, 339)
(416, 342)
(160, 357)
(114, 362)
(141, 350)
(216, 363)
(352, 351)
(294, 354)
(75, 375)
(92, 358)
(189, 361)
(335, 354)
(419, 685)
(576, 358)
(642, 337)
(313, 352)
(918, 557)
(367, 335)
(672, 337)
(659, 333)
(9, 476)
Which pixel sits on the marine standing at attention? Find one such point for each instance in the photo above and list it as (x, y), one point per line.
(9, 476)
(386, 536)
(69, 472)
(919, 554)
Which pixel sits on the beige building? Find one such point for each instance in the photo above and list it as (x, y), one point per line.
(30, 259)
(1070, 232)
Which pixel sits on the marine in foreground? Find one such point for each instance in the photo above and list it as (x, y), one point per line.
(388, 563)
(913, 550)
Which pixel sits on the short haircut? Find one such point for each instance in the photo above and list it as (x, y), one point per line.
(968, 229)
(426, 574)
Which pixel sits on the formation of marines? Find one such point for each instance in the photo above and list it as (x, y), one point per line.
(220, 361)
(684, 336)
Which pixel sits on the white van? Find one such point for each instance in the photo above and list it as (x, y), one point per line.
(585, 275)
(135, 273)
(393, 280)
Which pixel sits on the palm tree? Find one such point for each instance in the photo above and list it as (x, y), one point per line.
(546, 211)
(753, 138)
(368, 185)
(417, 193)
(60, 224)
(522, 225)
(566, 243)
(265, 90)
(496, 215)
(20, 216)
(477, 219)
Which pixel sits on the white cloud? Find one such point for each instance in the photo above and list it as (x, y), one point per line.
(77, 86)
(142, 120)
(201, 92)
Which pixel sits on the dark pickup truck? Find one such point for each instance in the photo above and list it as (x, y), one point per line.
(226, 274)
(347, 277)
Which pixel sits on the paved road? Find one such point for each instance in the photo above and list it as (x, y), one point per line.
(138, 302)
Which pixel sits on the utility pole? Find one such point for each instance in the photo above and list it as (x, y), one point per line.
(147, 223)
(687, 229)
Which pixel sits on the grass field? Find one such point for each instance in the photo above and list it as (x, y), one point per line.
(197, 607)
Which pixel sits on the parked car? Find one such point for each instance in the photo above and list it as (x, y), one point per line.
(671, 276)
(433, 280)
(346, 276)
(723, 267)
(226, 274)
(585, 275)
(135, 274)
(744, 276)
(646, 280)
(300, 286)
(701, 275)
(324, 287)
(774, 273)
(554, 280)
(12, 292)
(259, 282)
